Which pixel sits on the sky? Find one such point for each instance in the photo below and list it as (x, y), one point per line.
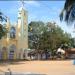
(46, 11)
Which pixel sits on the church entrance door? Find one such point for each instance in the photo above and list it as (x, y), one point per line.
(12, 52)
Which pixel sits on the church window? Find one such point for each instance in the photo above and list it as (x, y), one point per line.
(19, 17)
(13, 32)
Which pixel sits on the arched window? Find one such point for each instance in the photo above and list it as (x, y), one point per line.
(12, 32)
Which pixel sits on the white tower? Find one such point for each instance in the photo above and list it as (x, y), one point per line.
(22, 28)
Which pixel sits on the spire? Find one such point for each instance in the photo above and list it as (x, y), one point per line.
(22, 5)
(22, 1)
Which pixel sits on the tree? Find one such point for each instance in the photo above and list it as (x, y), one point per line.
(47, 37)
(3, 29)
(72, 44)
(68, 11)
(56, 38)
(35, 31)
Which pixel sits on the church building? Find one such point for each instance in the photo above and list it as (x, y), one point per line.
(15, 44)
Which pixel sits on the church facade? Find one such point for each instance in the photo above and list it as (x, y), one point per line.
(15, 44)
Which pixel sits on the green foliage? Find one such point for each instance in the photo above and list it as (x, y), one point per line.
(3, 29)
(68, 12)
(2, 17)
(47, 36)
(35, 30)
(72, 44)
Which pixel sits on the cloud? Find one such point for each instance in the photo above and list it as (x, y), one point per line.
(35, 3)
(31, 3)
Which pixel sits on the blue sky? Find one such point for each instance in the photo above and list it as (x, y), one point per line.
(47, 11)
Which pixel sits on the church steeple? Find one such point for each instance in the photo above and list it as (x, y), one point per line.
(22, 3)
(22, 8)
(22, 25)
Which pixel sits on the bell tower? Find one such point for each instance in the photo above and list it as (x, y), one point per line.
(22, 28)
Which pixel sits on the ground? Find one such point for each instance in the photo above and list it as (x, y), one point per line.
(44, 67)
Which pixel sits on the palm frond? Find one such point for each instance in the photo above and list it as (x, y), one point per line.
(61, 15)
(69, 9)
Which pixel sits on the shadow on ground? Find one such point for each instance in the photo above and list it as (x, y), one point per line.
(13, 62)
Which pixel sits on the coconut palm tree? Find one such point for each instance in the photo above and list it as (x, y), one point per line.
(68, 12)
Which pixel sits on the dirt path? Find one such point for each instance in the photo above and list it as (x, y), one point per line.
(45, 67)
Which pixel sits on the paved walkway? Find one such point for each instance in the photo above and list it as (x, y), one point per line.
(42, 67)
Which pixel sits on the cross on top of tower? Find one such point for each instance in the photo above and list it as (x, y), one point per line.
(22, 1)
